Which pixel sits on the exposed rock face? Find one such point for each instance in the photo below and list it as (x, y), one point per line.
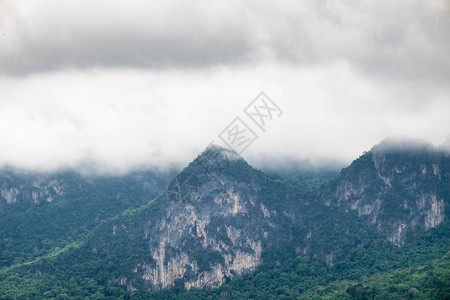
(212, 226)
(397, 190)
(19, 186)
(10, 195)
(435, 216)
(398, 235)
(30, 188)
(236, 249)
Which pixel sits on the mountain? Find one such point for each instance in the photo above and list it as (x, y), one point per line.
(43, 211)
(400, 189)
(211, 223)
(222, 224)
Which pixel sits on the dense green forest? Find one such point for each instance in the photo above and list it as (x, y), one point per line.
(377, 270)
(419, 270)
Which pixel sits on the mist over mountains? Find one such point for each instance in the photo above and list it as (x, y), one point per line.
(194, 149)
(220, 228)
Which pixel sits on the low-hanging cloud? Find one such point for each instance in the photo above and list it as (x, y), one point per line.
(120, 120)
(116, 86)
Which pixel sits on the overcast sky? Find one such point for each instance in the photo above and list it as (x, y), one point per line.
(124, 84)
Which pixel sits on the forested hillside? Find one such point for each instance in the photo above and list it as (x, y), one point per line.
(40, 213)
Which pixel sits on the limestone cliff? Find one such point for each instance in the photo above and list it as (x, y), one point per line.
(396, 189)
(212, 223)
(31, 188)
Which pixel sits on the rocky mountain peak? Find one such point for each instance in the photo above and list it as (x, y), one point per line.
(216, 158)
(213, 221)
(398, 186)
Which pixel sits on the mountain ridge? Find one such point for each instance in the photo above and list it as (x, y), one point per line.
(221, 218)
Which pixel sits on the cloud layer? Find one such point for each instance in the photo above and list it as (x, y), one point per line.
(121, 85)
(400, 38)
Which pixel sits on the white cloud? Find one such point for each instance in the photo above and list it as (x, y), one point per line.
(152, 83)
